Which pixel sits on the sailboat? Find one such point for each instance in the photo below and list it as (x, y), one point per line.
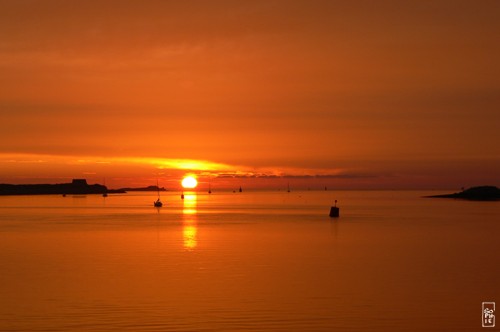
(105, 194)
(158, 202)
(288, 187)
(209, 189)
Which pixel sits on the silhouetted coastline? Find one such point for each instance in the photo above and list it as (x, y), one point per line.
(482, 193)
(76, 187)
(149, 188)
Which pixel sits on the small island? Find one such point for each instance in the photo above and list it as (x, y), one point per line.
(149, 188)
(482, 193)
(76, 187)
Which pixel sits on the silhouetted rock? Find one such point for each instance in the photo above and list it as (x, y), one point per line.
(76, 187)
(483, 193)
(79, 182)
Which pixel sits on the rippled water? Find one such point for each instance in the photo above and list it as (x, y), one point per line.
(253, 261)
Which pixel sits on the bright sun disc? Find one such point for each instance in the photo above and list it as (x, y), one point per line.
(189, 182)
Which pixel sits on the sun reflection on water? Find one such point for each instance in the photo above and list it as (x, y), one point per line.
(189, 236)
(189, 230)
(189, 204)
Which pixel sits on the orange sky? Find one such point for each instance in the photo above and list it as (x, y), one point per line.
(367, 94)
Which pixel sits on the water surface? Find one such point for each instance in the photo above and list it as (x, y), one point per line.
(253, 261)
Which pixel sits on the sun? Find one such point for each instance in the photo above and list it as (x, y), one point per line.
(189, 182)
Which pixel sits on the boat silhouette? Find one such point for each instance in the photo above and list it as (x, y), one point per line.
(158, 202)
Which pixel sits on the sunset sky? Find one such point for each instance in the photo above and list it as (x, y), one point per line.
(348, 94)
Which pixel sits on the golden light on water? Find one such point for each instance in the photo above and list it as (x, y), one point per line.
(189, 204)
(189, 235)
(189, 230)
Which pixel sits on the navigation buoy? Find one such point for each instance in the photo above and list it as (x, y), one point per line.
(334, 211)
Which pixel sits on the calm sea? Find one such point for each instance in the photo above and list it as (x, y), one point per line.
(251, 261)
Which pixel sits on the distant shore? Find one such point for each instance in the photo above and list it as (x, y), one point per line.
(149, 188)
(76, 187)
(482, 193)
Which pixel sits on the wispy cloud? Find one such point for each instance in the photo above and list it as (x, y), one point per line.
(163, 165)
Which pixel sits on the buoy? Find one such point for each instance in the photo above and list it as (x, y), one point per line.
(334, 211)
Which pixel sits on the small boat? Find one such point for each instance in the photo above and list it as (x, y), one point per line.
(105, 194)
(209, 189)
(182, 195)
(288, 190)
(241, 190)
(158, 202)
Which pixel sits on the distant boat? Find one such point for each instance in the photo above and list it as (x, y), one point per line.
(241, 190)
(106, 192)
(158, 202)
(288, 187)
(182, 195)
(209, 189)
